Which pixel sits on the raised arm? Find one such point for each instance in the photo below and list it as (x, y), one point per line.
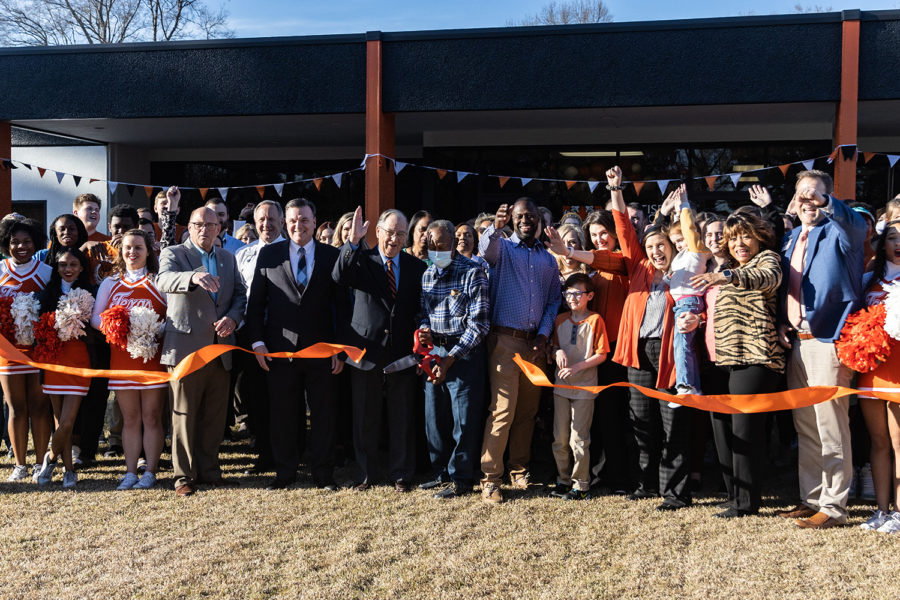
(489, 243)
(688, 225)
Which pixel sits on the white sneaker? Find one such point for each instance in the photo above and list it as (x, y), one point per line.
(127, 482)
(892, 525)
(76, 455)
(45, 475)
(147, 481)
(70, 478)
(142, 465)
(878, 518)
(35, 471)
(866, 485)
(19, 472)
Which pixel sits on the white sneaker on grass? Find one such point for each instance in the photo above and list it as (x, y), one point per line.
(19, 472)
(127, 482)
(147, 481)
(45, 475)
(878, 518)
(892, 525)
(70, 478)
(35, 471)
(76, 456)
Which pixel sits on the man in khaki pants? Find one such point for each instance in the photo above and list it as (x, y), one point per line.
(822, 262)
(525, 295)
(206, 298)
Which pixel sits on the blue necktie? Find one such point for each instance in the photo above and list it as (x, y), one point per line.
(302, 279)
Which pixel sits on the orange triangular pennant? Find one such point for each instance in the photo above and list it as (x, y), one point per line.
(149, 190)
(711, 181)
(867, 156)
(92, 180)
(318, 182)
(503, 181)
(41, 170)
(638, 186)
(834, 154)
(203, 192)
(261, 190)
(441, 173)
(784, 168)
(570, 183)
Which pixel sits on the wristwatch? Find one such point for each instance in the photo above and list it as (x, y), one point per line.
(728, 274)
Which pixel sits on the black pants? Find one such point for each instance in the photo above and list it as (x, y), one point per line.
(253, 395)
(92, 411)
(375, 393)
(293, 384)
(610, 428)
(741, 438)
(661, 435)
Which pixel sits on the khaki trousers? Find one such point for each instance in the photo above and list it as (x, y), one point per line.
(572, 440)
(825, 464)
(513, 406)
(198, 423)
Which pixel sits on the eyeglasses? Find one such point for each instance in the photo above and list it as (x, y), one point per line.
(575, 294)
(207, 226)
(397, 235)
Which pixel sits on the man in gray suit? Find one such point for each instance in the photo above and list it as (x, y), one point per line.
(206, 297)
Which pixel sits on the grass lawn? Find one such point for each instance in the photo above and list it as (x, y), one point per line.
(306, 543)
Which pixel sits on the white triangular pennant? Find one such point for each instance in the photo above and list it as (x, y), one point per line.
(592, 185)
(892, 158)
(279, 187)
(398, 166)
(337, 178)
(735, 177)
(663, 184)
(112, 186)
(223, 192)
(525, 180)
(808, 164)
(59, 176)
(460, 175)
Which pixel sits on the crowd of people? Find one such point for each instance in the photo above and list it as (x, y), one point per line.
(686, 302)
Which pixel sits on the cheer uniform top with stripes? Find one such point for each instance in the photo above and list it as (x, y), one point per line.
(886, 376)
(74, 353)
(135, 289)
(18, 279)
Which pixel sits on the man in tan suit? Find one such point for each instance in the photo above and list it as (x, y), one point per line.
(206, 299)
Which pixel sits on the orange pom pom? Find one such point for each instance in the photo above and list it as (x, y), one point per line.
(114, 323)
(864, 344)
(47, 345)
(7, 325)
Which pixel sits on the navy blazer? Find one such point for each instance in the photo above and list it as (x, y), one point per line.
(832, 271)
(384, 327)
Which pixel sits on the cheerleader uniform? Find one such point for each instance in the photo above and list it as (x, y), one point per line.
(21, 279)
(135, 289)
(74, 353)
(886, 376)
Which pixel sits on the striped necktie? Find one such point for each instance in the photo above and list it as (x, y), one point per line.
(302, 279)
(392, 279)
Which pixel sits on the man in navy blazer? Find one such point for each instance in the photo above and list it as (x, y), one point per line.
(822, 263)
(294, 303)
(386, 285)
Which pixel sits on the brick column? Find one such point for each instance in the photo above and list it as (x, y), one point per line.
(380, 138)
(845, 126)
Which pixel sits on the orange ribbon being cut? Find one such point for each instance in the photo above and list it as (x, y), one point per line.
(722, 403)
(190, 363)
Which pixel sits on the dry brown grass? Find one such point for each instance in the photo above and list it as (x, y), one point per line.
(306, 543)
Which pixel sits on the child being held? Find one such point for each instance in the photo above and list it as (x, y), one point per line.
(579, 337)
(690, 261)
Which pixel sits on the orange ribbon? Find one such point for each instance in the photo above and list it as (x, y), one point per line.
(721, 403)
(190, 363)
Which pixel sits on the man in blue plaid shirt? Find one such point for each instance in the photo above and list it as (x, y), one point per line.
(456, 319)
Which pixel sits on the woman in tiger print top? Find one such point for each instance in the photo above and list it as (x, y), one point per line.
(747, 348)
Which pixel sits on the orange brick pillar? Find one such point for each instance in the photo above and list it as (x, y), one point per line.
(845, 127)
(380, 138)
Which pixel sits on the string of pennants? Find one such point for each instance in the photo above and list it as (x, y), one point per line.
(847, 151)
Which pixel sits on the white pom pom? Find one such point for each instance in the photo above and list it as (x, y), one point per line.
(892, 307)
(24, 311)
(73, 311)
(143, 332)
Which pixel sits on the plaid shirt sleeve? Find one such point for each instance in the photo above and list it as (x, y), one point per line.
(478, 318)
(456, 303)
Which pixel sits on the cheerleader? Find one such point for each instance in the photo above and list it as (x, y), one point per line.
(22, 273)
(882, 417)
(132, 285)
(71, 271)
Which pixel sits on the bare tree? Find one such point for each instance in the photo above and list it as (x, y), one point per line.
(799, 8)
(565, 13)
(52, 22)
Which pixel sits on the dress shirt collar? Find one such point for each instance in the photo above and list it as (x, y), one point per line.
(261, 243)
(308, 248)
(385, 259)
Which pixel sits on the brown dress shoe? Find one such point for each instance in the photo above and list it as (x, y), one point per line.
(183, 491)
(801, 511)
(401, 486)
(490, 493)
(818, 521)
(521, 482)
(362, 487)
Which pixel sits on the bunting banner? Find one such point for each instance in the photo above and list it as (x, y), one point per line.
(844, 151)
(190, 363)
(719, 403)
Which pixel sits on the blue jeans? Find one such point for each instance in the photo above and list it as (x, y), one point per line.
(687, 370)
(454, 418)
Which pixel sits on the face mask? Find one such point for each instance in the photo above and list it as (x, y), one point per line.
(441, 258)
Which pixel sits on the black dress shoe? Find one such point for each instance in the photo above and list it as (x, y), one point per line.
(259, 469)
(733, 513)
(640, 494)
(430, 485)
(328, 486)
(670, 506)
(454, 491)
(279, 484)
(401, 486)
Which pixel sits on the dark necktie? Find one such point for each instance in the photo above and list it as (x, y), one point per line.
(392, 280)
(301, 270)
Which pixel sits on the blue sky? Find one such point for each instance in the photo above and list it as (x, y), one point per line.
(264, 18)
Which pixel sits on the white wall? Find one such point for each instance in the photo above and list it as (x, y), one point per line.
(86, 161)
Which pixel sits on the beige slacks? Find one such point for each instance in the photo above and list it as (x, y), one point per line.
(572, 440)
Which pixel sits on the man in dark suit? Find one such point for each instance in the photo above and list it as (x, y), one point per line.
(386, 285)
(295, 303)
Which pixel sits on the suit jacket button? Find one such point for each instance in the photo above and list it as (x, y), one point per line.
(387, 332)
